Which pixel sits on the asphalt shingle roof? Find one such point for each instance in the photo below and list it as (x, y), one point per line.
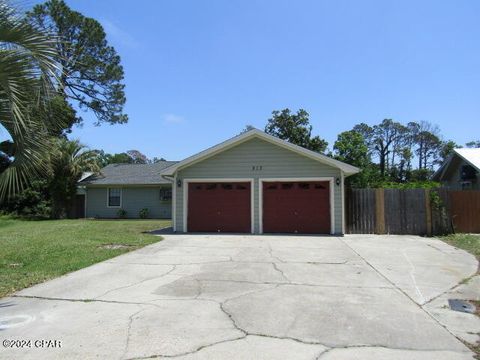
(129, 174)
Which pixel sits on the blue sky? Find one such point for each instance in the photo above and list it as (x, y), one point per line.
(197, 71)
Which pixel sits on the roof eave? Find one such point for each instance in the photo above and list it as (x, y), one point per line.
(466, 159)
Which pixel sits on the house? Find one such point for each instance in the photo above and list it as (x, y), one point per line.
(251, 183)
(130, 187)
(460, 171)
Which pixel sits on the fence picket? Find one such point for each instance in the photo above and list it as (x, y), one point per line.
(405, 211)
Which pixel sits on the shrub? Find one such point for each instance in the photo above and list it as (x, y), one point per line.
(122, 213)
(143, 213)
(32, 203)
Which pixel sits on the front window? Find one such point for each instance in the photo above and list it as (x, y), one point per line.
(114, 197)
(165, 194)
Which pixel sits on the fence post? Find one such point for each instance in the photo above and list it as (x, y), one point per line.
(379, 211)
(428, 212)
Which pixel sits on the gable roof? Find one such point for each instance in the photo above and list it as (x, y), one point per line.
(129, 174)
(255, 133)
(470, 155)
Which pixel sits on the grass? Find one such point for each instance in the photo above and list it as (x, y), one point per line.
(467, 242)
(34, 251)
(470, 243)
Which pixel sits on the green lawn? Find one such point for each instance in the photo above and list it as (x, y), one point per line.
(468, 242)
(34, 251)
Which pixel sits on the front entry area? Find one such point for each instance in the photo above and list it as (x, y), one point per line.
(219, 207)
(296, 207)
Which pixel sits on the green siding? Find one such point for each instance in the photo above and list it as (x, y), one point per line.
(133, 200)
(276, 162)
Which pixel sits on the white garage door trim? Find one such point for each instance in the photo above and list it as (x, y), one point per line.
(331, 197)
(217, 180)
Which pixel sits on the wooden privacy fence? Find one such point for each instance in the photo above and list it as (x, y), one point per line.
(411, 211)
(464, 210)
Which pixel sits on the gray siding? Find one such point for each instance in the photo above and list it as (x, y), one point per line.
(452, 179)
(133, 200)
(276, 162)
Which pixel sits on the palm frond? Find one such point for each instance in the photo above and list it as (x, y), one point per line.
(29, 73)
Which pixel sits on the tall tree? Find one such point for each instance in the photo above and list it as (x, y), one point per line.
(28, 73)
(381, 139)
(295, 128)
(350, 147)
(400, 141)
(91, 74)
(426, 139)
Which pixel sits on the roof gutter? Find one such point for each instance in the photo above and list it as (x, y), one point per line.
(169, 178)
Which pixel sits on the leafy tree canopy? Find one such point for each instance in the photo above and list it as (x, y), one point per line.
(473, 144)
(351, 148)
(68, 161)
(128, 157)
(295, 128)
(91, 74)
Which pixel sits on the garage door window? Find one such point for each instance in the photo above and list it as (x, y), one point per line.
(114, 197)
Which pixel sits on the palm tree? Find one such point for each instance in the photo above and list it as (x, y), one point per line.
(28, 76)
(68, 160)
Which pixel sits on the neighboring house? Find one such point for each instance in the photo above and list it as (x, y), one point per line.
(131, 187)
(252, 183)
(461, 170)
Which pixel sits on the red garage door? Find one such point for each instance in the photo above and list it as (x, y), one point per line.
(219, 207)
(296, 207)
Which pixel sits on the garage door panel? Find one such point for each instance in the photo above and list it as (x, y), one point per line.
(219, 207)
(296, 207)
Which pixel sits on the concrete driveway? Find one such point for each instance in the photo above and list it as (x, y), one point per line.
(262, 297)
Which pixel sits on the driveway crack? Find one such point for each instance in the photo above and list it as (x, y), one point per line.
(281, 272)
(403, 292)
(136, 283)
(129, 328)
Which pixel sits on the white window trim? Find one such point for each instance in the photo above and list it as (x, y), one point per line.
(218, 180)
(331, 181)
(108, 196)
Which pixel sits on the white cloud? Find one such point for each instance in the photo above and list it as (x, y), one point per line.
(172, 119)
(117, 35)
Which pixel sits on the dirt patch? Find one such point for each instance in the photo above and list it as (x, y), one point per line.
(115, 246)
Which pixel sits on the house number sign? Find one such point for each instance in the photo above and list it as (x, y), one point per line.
(257, 167)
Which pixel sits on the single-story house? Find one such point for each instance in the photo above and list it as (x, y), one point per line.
(128, 187)
(251, 183)
(460, 171)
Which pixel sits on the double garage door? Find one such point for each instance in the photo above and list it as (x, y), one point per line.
(287, 207)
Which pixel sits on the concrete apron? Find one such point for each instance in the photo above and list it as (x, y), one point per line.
(244, 297)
